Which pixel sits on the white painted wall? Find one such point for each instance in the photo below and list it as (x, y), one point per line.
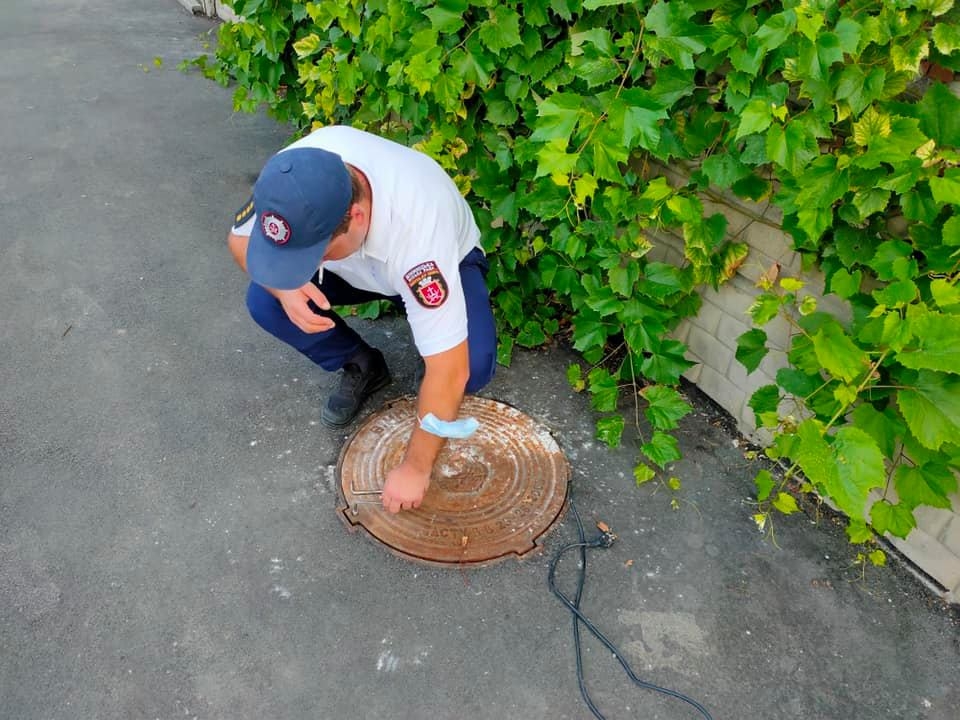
(210, 8)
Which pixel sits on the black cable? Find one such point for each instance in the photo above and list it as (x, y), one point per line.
(605, 539)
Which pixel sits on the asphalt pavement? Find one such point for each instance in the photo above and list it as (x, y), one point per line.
(169, 545)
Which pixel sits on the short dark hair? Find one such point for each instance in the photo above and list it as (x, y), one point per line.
(358, 193)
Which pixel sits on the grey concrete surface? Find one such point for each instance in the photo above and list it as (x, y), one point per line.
(168, 541)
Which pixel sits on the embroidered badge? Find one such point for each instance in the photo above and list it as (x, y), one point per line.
(427, 284)
(243, 214)
(275, 228)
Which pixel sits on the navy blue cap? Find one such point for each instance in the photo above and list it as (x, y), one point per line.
(300, 197)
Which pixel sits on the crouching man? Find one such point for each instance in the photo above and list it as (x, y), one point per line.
(343, 217)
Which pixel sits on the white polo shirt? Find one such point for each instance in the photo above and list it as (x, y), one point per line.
(420, 230)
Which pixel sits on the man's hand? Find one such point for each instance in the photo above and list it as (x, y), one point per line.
(440, 393)
(404, 488)
(295, 304)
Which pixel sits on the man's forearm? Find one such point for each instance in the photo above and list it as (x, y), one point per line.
(441, 393)
(238, 249)
(424, 447)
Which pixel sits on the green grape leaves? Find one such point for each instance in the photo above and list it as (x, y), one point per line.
(930, 404)
(557, 118)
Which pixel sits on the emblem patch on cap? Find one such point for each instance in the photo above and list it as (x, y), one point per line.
(427, 284)
(275, 228)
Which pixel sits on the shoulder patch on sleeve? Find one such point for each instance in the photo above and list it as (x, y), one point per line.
(427, 284)
(244, 213)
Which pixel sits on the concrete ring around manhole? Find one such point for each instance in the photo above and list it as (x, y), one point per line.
(492, 496)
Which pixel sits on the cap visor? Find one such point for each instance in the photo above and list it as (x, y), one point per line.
(280, 267)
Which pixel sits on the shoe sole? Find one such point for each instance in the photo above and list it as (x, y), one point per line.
(379, 386)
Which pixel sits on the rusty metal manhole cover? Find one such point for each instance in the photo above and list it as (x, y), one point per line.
(492, 496)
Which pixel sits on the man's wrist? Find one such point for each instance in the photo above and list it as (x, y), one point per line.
(422, 451)
(420, 465)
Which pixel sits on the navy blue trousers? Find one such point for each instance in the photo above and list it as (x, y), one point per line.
(331, 349)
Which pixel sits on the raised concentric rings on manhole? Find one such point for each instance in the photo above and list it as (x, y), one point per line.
(492, 496)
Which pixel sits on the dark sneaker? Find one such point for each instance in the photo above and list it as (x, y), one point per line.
(363, 374)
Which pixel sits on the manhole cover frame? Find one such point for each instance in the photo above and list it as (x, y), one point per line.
(354, 522)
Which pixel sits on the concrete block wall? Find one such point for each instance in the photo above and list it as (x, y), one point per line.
(711, 337)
